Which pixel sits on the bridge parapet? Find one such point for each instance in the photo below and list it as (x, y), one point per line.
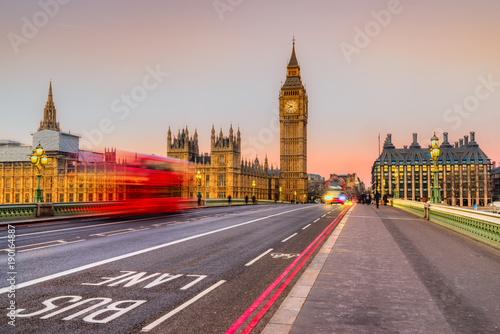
(8, 211)
(482, 226)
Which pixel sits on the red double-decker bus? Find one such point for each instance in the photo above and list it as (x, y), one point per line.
(154, 184)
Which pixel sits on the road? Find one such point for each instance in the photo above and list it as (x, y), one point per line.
(213, 270)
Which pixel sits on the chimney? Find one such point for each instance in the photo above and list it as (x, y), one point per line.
(389, 138)
(472, 137)
(466, 140)
(414, 138)
(456, 144)
(461, 142)
(445, 137)
(494, 164)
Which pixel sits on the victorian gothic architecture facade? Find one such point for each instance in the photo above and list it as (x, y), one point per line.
(71, 175)
(464, 172)
(74, 175)
(223, 171)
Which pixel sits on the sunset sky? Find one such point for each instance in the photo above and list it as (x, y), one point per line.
(370, 67)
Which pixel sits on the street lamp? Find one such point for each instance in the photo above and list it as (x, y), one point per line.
(280, 195)
(295, 196)
(253, 188)
(39, 160)
(435, 191)
(198, 181)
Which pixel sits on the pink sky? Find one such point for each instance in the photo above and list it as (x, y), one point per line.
(420, 61)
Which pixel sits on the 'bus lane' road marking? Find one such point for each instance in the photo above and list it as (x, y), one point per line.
(142, 251)
(180, 308)
(258, 257)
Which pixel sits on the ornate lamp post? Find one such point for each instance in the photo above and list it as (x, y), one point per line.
(39, 160)
(280, 195)
(295, 196)
(253, 188)
(198, 181)
(396, 177)
(435, 191)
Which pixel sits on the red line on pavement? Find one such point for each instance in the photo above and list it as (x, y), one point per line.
(264, 295)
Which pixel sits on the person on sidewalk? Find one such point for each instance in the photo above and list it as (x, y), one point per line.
(368, 199)
(377, 198)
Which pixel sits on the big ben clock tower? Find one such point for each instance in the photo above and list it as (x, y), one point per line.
(293, 134)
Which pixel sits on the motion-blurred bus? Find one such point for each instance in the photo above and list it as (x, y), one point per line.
(148, 184)
(154, 184)
(335, 191)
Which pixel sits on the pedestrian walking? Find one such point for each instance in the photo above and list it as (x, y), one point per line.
(377, 198)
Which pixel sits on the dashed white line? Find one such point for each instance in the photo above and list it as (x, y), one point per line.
(61, 242)
(316, 220)
(290, 237)
(180, 308)
(306, 226)
(258, 257)
(103, 234)
(64, 229)
(323, 215)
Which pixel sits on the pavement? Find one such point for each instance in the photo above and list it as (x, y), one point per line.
(387, 271)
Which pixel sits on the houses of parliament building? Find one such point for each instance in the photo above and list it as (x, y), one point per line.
(75, 175)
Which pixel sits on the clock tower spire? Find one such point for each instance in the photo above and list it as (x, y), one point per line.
(293, 113)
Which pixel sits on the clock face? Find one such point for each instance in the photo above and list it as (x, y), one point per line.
(291, 106)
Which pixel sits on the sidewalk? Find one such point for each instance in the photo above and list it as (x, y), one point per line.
(360, 282)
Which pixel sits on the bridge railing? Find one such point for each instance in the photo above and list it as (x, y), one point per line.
(13, 211)
(482, 226)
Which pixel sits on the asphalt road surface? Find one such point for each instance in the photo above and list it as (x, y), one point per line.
(216, 270)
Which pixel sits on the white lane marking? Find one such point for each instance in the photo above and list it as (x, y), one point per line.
(258, 257)
(323, 215)
(187, 286)
(306, 226)
(290, 237)
(142, 251)
(76, 228)
(183, 306)
(61, 242)
(316, 220)
(52, 243)
(106, 233)
(110, 235)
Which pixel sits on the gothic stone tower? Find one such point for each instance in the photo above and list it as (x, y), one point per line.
(293, 113)
(225, 155)
(49, 114)
(183, 147)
